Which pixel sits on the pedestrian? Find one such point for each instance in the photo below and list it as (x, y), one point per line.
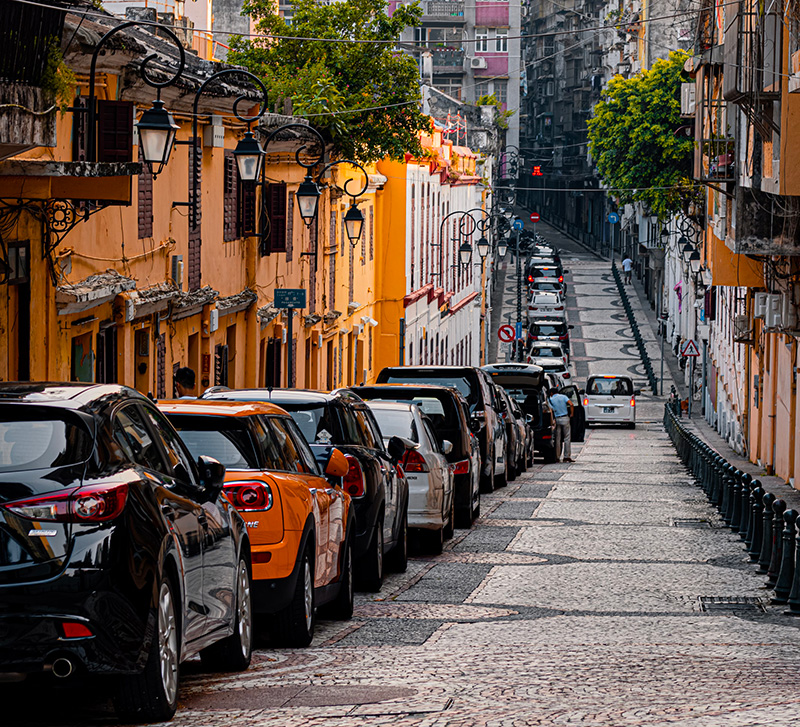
(185, 383)
(627, 267)
(562, 410)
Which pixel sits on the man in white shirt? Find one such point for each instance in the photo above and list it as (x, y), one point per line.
(627, 267)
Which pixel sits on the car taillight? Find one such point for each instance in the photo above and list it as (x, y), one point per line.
(563, 338)
(530, 278)
(75, 630)
(460, 468)
(355, 484)
(560, 278)
(413, 461)
(559, 307)
(565, 374)
(633, 401)
(586, 401)
(249, 496)
(96, 503)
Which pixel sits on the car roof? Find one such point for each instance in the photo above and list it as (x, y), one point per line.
(610, 376)
(511, 367)
(381, 404)
(549, 321)
(288, 396)
(219, 407)
(408, 388)
(66, 394)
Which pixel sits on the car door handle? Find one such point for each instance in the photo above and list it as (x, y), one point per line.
(312, 490)
(330, 491)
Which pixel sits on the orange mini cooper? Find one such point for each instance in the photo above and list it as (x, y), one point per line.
(298, 517)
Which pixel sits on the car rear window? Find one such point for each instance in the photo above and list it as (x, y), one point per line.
(313, 419)
(528, 399)
(396, 423)
(32, 440)
(545, 352)
(460, 383)
(226, 439)
(609, 385)
(543, 329)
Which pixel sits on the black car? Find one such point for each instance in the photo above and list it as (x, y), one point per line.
(377, 486)
(449, 412)
(550, 329)
(474, 386)
(577, 422)
(544, 268)
(515, 436)
(527, 385)
(120, 556)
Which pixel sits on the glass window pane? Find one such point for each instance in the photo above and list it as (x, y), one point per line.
(133, 436)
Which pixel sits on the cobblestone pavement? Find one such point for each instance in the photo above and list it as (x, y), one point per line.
(605, 592)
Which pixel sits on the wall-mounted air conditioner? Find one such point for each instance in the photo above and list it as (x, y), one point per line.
(213, 320)
(759, 305)
(788, 313)
(772, 319)
(477, 62)
(741, 329)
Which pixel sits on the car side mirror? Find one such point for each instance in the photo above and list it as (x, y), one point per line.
(566, 272)
(475, 425)
(337, 464)
(529, 418)
(637, 392)
(570, 326)
(581, 391)
(397, 447)
(212, 476)
(447, 446)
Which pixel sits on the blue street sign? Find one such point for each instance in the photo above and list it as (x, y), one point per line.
(518, 224)
(290, 298)
(519, 330)
(613, 218)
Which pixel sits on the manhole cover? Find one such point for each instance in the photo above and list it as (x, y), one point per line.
(690, 523)
(732, 603)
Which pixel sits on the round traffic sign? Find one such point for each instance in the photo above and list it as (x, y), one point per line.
(535, 217)
(613, 218)
(518, 224)
(506, 333)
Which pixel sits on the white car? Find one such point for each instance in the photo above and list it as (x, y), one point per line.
(610, 399)
(547, 350)
(431, 504)
(544, 303)
(549, 285)
(553, 365)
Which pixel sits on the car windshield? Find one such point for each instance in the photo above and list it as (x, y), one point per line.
(396, 423)
(37, 442)
(226, 439)
(545, 352)
(460, 383)
(528, 399)
(313, 419)
(609, 385)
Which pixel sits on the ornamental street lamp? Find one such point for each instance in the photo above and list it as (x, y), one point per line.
(502, 248)
(483, 247)
(353, 223)
(249, 157)
(465, 253)
(307, 196)
(157, 129)
(695, 262)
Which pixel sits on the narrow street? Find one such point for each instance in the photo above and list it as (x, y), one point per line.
(585, 594)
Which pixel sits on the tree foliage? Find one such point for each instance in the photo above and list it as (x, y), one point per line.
(324, 80)
(633, 137)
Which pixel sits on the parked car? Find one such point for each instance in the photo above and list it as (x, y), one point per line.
(546, 349)
(527, 384)
(515, 437)
(548, 285)
(300, 524)
(431, 506)
(610, 399)
(474, 386)
(546, 303)
(120, 556)
(545, 268)
(550, 329)
(552, 365)
(378, 487)
(578, 419)
(449, 412)
(529, 447)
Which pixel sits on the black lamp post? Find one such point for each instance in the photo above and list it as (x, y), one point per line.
(483, 247)
(465, 253)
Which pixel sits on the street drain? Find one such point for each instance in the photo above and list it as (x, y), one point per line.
(690, 522)
(731, 603)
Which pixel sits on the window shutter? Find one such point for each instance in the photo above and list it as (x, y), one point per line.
(114, 131)
(230, 198)
(195, 234)
(161, 367)
(277, 217)
(220, 365)
(79, 126)
(145, 201)
(246, 222)
(290, 228)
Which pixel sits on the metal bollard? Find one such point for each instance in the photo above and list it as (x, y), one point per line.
(754, 549)
(765, 553)
(716, 489)
(783, 585)
(744, 498)
(778, 508)
(727, 470)
(794, 594)
(736, 501)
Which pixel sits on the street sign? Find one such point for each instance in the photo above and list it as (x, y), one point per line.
(519, 330)
(518, 224)
(506, 334)
(613, 218)
(535, 217)
(689, 349)
(290, 298)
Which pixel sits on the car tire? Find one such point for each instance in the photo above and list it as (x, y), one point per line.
(632, 425)
(398, 558)
(152, 695)
(341, 607)
(433, 541)
(294, 625)
(511, 470)
(372, 571)
(501, 480)
(450, 527)
(549, 455)
(476, 513)
(233, 653)
(487, 481)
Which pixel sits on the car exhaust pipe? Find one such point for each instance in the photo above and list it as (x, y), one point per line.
(62, 668)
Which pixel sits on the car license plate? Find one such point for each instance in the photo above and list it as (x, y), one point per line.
(608, 410)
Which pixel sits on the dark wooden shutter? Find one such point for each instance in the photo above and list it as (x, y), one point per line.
(161, 366)
(106, 361)
(230, 197)
(220, 365)
(114, 131)
(276, 200)
(246, 221)
(194, 271)
(290, 228)
(145, 202)
(80, 123)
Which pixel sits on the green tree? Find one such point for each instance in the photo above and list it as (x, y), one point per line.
(633, 140)
(330, 82)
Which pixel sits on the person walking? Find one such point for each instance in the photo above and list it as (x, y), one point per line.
(627, 267)
(185, 383)
(562, 410)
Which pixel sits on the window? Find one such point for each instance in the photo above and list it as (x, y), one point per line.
(226, 439)
(292, 459)
(501, 91)
(181, 464)
(276, 211)
(133, 436)
(230, 198)
(114, 131)
(365, 432)
(481, 40)
(246, 209)
(145, 201)
(18, 263)
(31, 441)
(501, 40)
(303, 449)
(481, 89)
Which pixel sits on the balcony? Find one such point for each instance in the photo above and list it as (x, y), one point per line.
(764, 225)
(450, 11)
(448, 61)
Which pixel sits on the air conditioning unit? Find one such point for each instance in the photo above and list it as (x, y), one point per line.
(788, 313)
(772, 319)
(741, 329)
(477, 62)
(177, 271)
(759, 305)
(213, 320)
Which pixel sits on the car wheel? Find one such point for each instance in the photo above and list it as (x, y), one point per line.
(372, 576)
(234, 652)
(511, 469)
(487, 481)
(549, 454)
(450, 527)
(399, 555)
(632, 425)
(341, 607)
(501, 480)
(152, 696)
(294, 625)
(434, 541)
